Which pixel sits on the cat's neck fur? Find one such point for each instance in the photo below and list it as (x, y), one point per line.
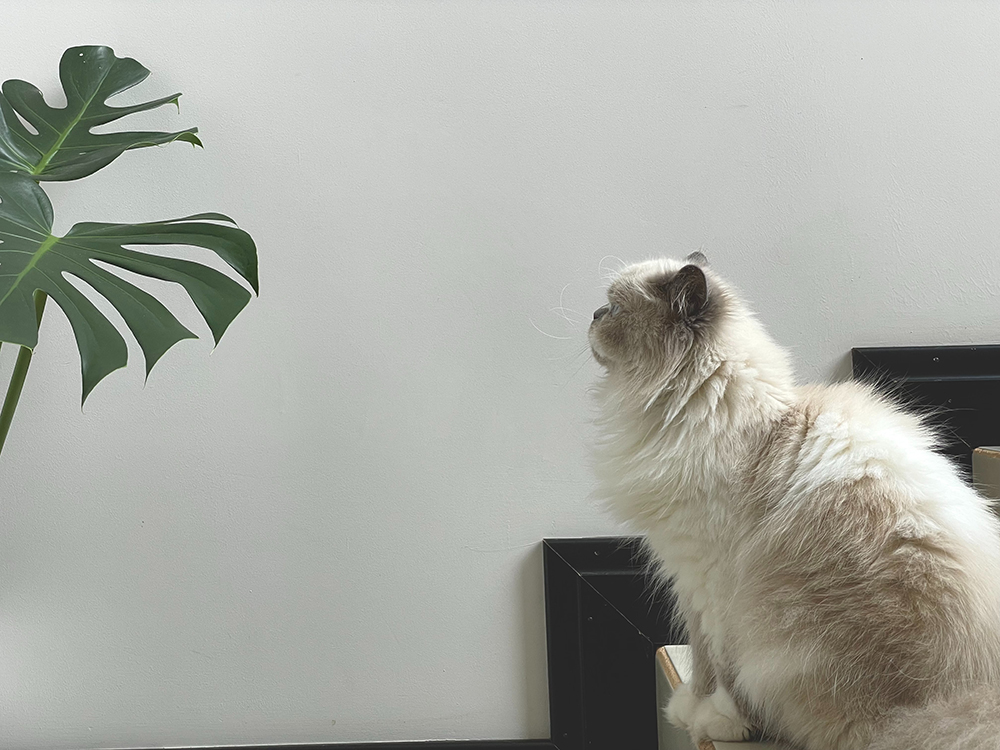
(673, 440)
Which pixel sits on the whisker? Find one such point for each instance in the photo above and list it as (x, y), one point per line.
(608, 275)
(561, 312)
(561, 293)
(577, 371)
(573, 355)
(558, 338)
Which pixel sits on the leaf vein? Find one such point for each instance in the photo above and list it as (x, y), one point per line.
(47, 157)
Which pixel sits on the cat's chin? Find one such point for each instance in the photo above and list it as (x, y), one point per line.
(598, 357)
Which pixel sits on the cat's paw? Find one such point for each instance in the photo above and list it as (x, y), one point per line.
(718, 718)
(682, 707)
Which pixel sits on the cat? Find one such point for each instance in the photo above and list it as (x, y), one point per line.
(839, 582)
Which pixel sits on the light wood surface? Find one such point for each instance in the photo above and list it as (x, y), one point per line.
(675, 661)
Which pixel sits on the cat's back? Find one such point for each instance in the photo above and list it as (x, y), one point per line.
(862, 527)
(863, 515)
(846, 450)
(850, 431)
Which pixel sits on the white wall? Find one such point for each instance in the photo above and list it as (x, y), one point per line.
(328, 528)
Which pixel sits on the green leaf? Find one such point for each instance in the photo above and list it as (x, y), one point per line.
(32, 258)
(63, 148)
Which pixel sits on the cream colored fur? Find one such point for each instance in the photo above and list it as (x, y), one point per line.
(839, 582)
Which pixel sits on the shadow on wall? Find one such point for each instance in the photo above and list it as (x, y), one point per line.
(535, 694)
(842, 369)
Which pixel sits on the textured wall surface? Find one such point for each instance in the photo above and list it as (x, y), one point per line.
(327, 529)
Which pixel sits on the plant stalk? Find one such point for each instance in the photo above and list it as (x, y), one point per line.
(17, 378)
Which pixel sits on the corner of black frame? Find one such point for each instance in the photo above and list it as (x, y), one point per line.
(606, 615)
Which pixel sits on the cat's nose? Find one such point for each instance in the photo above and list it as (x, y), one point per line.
(600, 312)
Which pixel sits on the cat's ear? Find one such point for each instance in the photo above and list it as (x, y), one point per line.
(687, 293)
(697, 257)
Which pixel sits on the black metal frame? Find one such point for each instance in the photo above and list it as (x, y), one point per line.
(958, 387)
(605, 617)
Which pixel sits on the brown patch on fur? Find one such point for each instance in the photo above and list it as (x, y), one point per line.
(846, 571)
(967, 721)
(874, 598)
(767, 470)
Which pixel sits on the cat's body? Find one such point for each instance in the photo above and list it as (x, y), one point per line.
(832, 569)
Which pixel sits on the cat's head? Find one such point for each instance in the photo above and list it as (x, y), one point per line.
(659, 313)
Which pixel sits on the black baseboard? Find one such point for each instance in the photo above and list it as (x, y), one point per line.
(412, 745)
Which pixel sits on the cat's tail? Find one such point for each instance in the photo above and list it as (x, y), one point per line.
(968, 721)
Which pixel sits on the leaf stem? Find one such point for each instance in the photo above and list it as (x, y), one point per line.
(17, 378)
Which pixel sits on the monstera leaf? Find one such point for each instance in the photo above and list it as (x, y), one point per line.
(32, 258)
(62, 146)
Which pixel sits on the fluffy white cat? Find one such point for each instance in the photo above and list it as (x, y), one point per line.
(839, 582)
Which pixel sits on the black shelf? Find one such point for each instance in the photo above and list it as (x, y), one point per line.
(956, 387)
